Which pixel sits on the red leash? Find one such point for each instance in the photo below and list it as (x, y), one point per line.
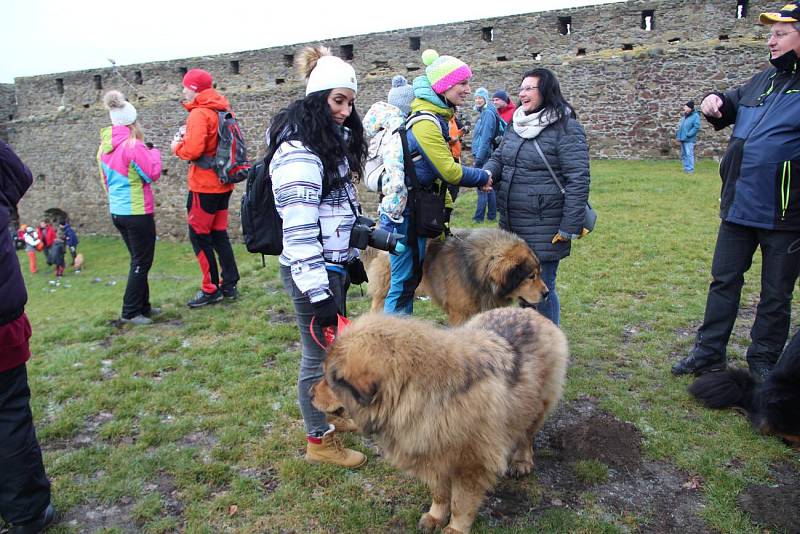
(328, 332)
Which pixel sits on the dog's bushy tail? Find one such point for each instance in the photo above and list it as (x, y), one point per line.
(724, 389)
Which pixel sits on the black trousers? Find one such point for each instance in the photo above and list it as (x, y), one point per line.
(24, 488)
(733, 256)
(139, 234)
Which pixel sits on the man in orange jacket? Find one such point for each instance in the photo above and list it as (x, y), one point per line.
(207, 205)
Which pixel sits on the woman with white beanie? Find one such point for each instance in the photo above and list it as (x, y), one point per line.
(314, 145)
(129, 167)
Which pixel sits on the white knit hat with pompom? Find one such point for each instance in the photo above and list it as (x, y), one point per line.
(121, 111)
(325, 71)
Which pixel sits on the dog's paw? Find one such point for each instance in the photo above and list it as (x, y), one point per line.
(451, 530)
(429, 523)
(520, 468)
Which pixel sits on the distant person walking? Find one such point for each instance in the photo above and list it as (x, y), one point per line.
(759, 207)
(129, 167)
(687, 135)
(207, 204)
(24, 488)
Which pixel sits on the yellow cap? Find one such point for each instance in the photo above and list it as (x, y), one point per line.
(788, 13)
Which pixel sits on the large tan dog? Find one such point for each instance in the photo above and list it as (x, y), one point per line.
(470, 272)
(454, 407)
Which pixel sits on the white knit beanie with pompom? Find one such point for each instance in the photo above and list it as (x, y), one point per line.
(121, 111)
(324, 71)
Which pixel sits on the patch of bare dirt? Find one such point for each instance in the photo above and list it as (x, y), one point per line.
(93, 517)
(661, 496)
(776, 505)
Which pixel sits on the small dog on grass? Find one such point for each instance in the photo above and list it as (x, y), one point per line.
(773, 406)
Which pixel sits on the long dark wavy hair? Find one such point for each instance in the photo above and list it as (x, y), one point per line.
(309, 120)
(552, 99)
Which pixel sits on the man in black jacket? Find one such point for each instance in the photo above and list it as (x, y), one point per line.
(760, 204)
(24, 488)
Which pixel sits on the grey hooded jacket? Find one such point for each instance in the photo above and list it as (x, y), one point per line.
(528, 200)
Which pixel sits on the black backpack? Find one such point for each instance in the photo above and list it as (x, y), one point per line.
(262, 227)
(230, 161)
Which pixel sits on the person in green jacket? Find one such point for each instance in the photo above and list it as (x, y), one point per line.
(444, 86)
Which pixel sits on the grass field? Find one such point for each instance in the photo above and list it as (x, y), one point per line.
(192, 425)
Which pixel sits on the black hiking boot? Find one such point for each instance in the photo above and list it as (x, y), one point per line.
(202, 298)
(38, 525)
(698, 364)
(230, 293)
(760, 368)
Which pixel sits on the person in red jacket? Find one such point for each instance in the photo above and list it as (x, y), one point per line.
(504, 106)
(47, 235)
(24, 488)
(207, 205)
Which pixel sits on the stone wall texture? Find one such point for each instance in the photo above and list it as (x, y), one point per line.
(627, 83)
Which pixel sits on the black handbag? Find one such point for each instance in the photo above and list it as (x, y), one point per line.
(590, 216)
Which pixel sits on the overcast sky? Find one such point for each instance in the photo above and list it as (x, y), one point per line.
(47, 36)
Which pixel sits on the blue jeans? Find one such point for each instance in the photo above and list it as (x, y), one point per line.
(733, 256)
(486, 200)
(550, 308)
(312, 355)
(687, 155)
(403, 283)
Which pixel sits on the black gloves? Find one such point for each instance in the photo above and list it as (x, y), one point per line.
(326, 312)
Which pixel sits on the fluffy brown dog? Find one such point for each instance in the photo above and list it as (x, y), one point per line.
(454, 407)
(470, 272)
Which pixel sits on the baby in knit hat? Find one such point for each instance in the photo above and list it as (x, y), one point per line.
(401, 94)
(383, 170)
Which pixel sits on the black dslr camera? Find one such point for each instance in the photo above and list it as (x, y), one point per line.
(365, 233)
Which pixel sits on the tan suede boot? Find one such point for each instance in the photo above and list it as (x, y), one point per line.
(330, 450)
(342, 424)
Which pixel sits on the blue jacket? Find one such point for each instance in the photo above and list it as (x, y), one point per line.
(70, 236)
(763, 152)
(688, 128)
(484, 134)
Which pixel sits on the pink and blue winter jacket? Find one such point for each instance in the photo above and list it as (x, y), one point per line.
(127, 168)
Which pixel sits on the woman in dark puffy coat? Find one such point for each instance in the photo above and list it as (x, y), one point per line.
(529, 202)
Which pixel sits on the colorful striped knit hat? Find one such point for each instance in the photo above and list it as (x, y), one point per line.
(443, 72)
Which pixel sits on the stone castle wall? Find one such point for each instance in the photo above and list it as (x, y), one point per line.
(628, 85)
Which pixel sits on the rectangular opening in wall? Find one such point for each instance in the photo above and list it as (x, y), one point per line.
(234, 66)
(741, 9)
(502, 58)
(60, 86)
(723, 37)
(182, 71)
(137, 77)
(487, 34)
(98, 81)
(346, 51)
(288, 60)
(581, 52)
(648, 20)
(537, 56)
(414, 43)
(565, 25)
(627, 46)
(279, 81)
(674, 40)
